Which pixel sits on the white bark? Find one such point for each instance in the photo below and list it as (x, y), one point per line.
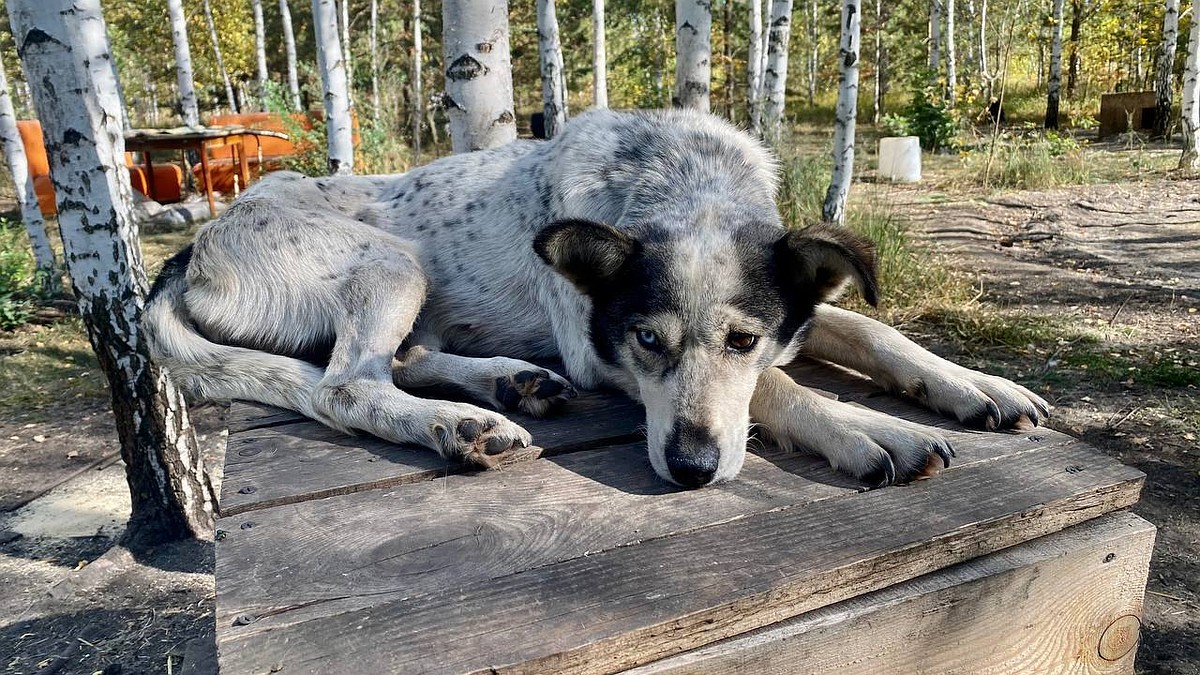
(881, 87)
(374, 39)
(775, 76)
(554, 103)
(951, 58)
(1166, 68)
(1190, 159)
(1054, 82)
(260, 53)
(599, 57)
(754, 66)
(65, 52)
(347, 55)
(983, 62)
(216, 45)
(183, 64)
(693, 53)
(289, 46)
(935, 38)
(834, 209)
(333, 78)
(814, 49)
(18, 166)
(418, 102)
(479, 89)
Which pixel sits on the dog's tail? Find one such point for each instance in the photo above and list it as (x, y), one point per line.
(210, 370)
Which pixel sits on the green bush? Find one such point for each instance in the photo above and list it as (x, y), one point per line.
(18, 276)
(936, 125)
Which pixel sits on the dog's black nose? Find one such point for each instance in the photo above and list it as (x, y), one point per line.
(693, 470)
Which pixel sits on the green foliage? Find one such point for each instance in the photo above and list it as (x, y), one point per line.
(19, 282)
(1029, 160)
(935, 124)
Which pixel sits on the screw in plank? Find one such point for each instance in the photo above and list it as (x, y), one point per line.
(248, 490)
(244, 619)
(248, 524)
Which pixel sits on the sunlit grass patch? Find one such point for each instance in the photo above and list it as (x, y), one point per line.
(43, 368)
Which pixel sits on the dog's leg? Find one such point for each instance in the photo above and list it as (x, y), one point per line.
(380, 301)
(876, 448)
(900, 365)
(504, 383)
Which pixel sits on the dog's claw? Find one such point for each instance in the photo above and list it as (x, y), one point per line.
(533, 391)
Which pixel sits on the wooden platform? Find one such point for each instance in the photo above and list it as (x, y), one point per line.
(350, 555)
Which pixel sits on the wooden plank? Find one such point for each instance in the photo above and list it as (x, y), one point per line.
(278, 457)
(1054, 605)
(637, 603)
(502, 523)
(295, 461)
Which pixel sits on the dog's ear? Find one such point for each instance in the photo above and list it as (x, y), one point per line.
(816, 262)
(589, 254)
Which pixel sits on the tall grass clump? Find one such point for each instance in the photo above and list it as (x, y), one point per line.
(19, 282)
(1028, 160)
(911, 278)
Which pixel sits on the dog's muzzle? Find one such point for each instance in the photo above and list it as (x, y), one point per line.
(692, 455)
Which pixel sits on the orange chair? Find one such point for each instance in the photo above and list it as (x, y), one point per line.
(168, 178)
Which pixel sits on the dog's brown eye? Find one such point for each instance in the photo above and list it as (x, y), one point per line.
(741, 342)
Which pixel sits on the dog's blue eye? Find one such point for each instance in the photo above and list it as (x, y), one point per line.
(648, 339)
(740, 342)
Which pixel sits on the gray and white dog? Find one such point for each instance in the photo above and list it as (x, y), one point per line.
(643, 249)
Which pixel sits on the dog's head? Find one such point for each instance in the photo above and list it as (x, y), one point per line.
(695, 316)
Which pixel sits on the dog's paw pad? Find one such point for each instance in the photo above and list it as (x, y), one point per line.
(481, 442)
(533, 391)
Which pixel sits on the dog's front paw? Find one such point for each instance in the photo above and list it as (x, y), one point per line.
(534, 391)
(478, 437)
(878, 449)
(981, 401)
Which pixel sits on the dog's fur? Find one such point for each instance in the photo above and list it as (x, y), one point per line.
(644, 250)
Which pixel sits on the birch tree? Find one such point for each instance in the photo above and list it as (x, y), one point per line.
(1166, 67)
(951, 57)
(216, 45)
(881, 62)
(64, 49)
(814, 49)
(984, 74)
(183, 64)
(599, 57)
(1054, 82)
(754, 73)
(834, 208)
(935, 39)
(693, 53)
(289, 46)
(347, 55)
(479, 89)
(418, 101)
(260, 53)
(1190, 107)
(554, 104)
(775, 75)
(31, 213)
(374, 46)
(333, 79)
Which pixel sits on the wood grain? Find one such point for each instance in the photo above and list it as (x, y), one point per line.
(1040, 607)
(657, 597)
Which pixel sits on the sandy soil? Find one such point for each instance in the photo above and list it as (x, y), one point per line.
(1122, 259)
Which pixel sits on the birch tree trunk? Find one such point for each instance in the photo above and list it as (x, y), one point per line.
(183, 64)
(333, 78)
(983, 59)
(289, 46)
(554, 104)
(418, 99)
(727, 57)
(814, 50)
(754, 73)
(1166, 67)
(479, 89)
(951, 57)
(1190, 159)
(693, 53)
(881, 62)
(260, 53)
(374, 39)
(599, 57)
(1054, 81)
(63, 46)
(834, 209)
(216, 45)
(935, 39)
(31, 213)
(347, 56)
(775, 76)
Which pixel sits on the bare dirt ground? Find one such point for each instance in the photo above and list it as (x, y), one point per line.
(1115, 269)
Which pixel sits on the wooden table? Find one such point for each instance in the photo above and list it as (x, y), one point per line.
(351, 555)
(200, 140)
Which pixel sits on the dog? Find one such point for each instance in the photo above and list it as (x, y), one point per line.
(642, 249)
